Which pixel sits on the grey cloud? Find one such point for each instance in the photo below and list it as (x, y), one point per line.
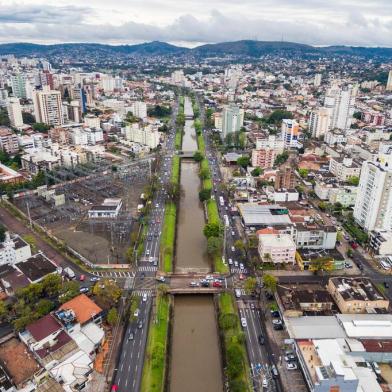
(354, 29)
(42, 14)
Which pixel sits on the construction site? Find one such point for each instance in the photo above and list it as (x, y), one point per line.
(92, 207)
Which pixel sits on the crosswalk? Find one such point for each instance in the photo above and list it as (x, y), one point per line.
(236, 270)
(141, 293)
(147, 268)
(114, 274)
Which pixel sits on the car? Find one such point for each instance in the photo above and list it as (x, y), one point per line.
(157, 205)
(161, 279)
(376, 368)
(230, 261)
(269, 296)
(242, 276)
(144, 298)
(130, 336)
(347, 238)
(252, 305)
(136, 313)
(237, 293)
(261, 339)
(194, 284)
(353, 244)
(95, 279)
(290, 357)
(82, 278)
(84, 290)
(348, 265)
(233, 249)
(156, 234)
(205, 284)
(242, 266)
(291, 366)
(233, 233)
(209, 277)
(278, 327)
(140, 324)
(235, 263)
(277, 321)
(114, 388)
(217, 283)
(265, 383)
(243, 322)
(275, 313)
(147, 252)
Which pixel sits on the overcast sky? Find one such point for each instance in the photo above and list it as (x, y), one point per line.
(191, 22)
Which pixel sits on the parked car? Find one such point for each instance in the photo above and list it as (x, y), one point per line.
(278, 327)
(161, 279)
(136, 313)
(217, 283)
(275, 313)
(95, 279)
(291, 366)
(243, 322)
(84, 290)
(290, 357)
(193, 284)
(82, 278)
(144, 298)
(205, 284)
(277, 321)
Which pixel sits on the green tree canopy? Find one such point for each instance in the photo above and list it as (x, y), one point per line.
(257, 171)
(212, 230)
(112, 316)
(243, 161)
(270, 282)
(204, 195)
(214, 245)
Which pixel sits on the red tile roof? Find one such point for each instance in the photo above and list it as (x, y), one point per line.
(377, 346)
(43, 327)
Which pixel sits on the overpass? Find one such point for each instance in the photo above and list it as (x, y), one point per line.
(195, 290)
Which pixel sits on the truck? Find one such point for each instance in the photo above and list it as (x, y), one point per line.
(227, 222)
(221, 201)
(69, 273)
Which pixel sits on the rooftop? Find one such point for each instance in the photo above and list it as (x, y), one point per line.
(366, 326)
(20, 363)
(43, 327)
(314, 327)
(84, 308)
(36, 267)
(263, 214)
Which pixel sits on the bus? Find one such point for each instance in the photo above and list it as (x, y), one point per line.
(221, 201)
(227, 222)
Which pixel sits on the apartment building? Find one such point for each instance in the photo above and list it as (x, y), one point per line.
(48, 107)
(276, 248)
(343, 168)
(8, 141)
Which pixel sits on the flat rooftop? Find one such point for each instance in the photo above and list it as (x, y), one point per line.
(263, 214)
(36, 267)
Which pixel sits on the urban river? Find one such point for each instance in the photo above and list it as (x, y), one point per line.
(195, 356)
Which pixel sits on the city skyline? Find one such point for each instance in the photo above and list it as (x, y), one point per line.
(190, 23)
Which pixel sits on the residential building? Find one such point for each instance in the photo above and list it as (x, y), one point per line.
(343, 168)
(310, 235)
(389, 82)
(177, 77)
(36, 159)
(48, 107)
(317, 80)
(380, 241)
(92, 121)
(346, 195)
(139, 109)
(357, 295)
(147, 135)
(18, 84)
(15, 112)
(276, 248)
(340, 103)
(319, 122)
(373, 118)
(3, 97)
(335, 136)
(263, 158)
(232, 119)
(285, 178)
(218, 121)
(14, 249)
(373, 207)
(8, 141)
(271, 142)
(9, 176)
(290, 133)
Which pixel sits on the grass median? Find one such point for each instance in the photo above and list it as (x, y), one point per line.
(235, 354)
(154, 369)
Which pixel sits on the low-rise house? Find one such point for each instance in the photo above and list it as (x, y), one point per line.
(276, 248)
(110, 208)
(357, 295)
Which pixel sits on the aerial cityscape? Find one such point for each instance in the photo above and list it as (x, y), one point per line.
(196, 197)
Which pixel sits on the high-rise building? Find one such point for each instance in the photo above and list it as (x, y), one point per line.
(340, 103)
(15, 112)
(232, 119)
(48, 107)
(373, 207)
(139, 109)
(389, 82)
(319, 122)
(46, 79)
(290, 133)
(177, 77)
(317, 80)
(18, 84)
(3, 97)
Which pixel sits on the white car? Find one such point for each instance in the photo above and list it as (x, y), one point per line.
(265, 383)
(242, 266)
(230, 261)
(136, 313)
(291, 366)
(232, 249)
(243, 322)
(144, 297)
(209, 277)
(235, 263)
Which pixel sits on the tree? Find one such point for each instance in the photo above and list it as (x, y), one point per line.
(41, 127)
(257, 171)
(44, 307)
(270, 282)
(2, 233)
(281, 158)
(198, 156)
(303, 172)
(353, 180)
(107, 293)
(212, 230)
(250, 284)
(204, 195)
(52, 285)
(173, 191)
(277, 116)
(4, 119)
(227, 321)
(214, 245)
(239, 245)
(204, 173)
(3, 310)
(112, 316)
(321, 264)
(243, 161)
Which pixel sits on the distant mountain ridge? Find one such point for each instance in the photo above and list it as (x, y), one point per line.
(248, 48)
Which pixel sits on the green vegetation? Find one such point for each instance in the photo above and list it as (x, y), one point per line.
(198, 156)
(303, 172)
(155, 363)
(355, 231)
(180, 122)
(257, 171)
(270, 282)
(112, 316)
(235, 355)
(281, 158)
(107, 293)
(159, 111)
(168, 236)
(4, 119)
(353, 180)
(2, 233)
(41, 127)
(12, 162)
(243, 161)
(277, 116)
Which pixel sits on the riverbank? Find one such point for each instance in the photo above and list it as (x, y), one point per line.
(155, 363)
(233, 344)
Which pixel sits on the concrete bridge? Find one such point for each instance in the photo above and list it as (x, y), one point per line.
(186, 154)
(195, 290)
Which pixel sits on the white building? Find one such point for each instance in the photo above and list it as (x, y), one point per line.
(139, 109)
(232, 119)
(276, 248)
(335, 137)
(290, 133)
(14, 250)
(271, 142)
(92, 121)
(48, 107)
(317, 80)
(18, 83)
(340, 102)
(147, 135)
(389, 82)
(177, 77)
(319, 122)
(110, 208)
(343, 168)
(15, 112)
(373, 207)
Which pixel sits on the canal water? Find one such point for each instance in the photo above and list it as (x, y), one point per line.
(195, 362)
